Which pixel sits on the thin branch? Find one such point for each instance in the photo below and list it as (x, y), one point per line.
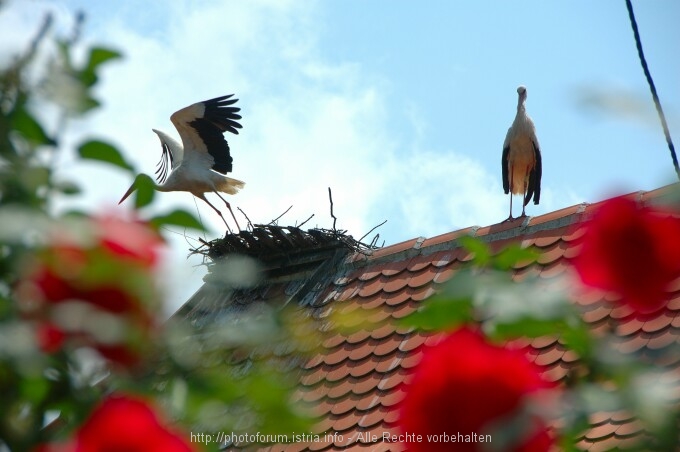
(250, 223)
(330, 198)
(279, 217)
(650, 81)
(310, 217)
(372, 229)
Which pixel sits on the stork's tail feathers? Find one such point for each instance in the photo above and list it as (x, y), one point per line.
(231, 186)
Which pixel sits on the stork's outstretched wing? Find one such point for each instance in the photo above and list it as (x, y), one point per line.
(201, 126)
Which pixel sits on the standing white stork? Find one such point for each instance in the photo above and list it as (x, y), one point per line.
(521, 160)
(199, 165)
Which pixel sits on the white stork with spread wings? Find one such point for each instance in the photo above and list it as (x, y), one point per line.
(521, 160)
(199, 165)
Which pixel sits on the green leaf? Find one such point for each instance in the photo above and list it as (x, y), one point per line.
(34, 389)
(30, 129)
(478, 248)
(178, 217)
(440, 314)
(447, 310)
(98, 55)
(103, 152)
(513, 255)
(529, 327)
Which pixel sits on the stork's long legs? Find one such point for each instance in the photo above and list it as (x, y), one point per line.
(216, 210)
(511, 181)
(230, 211)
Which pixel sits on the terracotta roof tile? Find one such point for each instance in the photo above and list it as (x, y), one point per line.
(384, 364)
(543, 342)
(373, 302)
(552, 253)
(348, 293)
(546, 240)
(372, 287)
(404, 310)
(557, 214)
(448, 237)
(388, 345)
(422, 293)
(554, 269)
(383, 331)
(357, 336)
(629, 326)
(444, 274)
(411, 360)
(391, 381)
(419, 262)
(369, 273)
(378, 315)
(549, 356)
(359, 353)
(596, 313)
(412, 342)
(391, 269)
(422, 277)
(397, 298)
(396, 284)
(498, 227)
(393, 249)
(374, 417)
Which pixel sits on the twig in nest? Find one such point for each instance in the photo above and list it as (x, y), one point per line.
(277, 218)
(310, 217)
(330, 198)
(250, 223)
(372, 229)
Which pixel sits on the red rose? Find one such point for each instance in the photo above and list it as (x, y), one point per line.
(123, 423)
(131, 240)
(94, 283)
(464, 385)
(50, 338)
(632, 251)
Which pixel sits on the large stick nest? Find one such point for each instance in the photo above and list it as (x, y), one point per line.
(269, 241)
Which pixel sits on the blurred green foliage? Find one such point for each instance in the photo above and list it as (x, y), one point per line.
(45, 397)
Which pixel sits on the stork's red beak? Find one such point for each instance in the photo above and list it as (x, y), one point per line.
(132, 188)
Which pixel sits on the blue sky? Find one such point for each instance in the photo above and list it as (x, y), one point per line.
(400, 108)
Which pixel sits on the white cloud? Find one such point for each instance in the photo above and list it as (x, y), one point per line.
(437, 192)
(308, 124)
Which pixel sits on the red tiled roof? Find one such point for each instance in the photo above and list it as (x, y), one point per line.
(355, 383)
(357, 380)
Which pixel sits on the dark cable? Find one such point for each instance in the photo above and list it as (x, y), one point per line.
(655, 96)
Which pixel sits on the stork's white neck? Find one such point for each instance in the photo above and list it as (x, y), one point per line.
(520, 104)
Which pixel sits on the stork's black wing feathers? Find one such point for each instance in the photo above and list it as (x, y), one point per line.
(218, 118)
(163, 164)
(534, 186)
(504, 166)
